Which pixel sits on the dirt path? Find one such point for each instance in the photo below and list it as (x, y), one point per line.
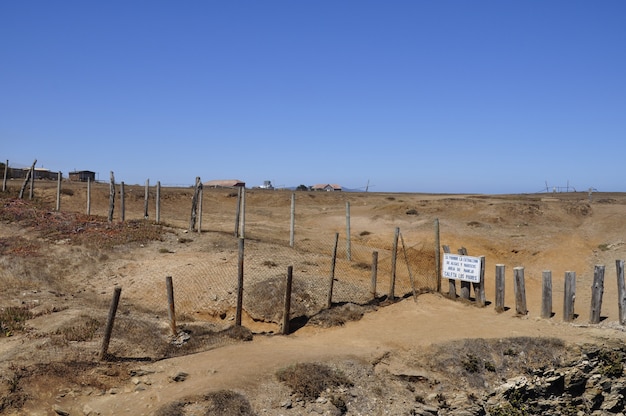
(400, 327)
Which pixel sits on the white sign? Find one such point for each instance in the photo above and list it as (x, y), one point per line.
(459, 267)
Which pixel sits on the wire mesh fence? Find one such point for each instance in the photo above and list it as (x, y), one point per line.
(310, 231)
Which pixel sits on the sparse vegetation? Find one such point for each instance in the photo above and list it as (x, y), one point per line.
(308, 380)
(12, 319)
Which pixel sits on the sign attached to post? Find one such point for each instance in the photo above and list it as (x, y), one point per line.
(459, 267)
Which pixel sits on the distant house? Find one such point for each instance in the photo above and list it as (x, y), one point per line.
(82, 176)
(40, 173)
(326, 187)
(224, 183)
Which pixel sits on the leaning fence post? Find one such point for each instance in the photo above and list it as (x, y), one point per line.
(570, 296)
(110, 320)
(170, 303)
(500, 285)
(287, 308)
(394, 257)
(329, 301)
(546, 294)
(240, 283)
(374, 274)
(31, 194)
(621, 291)
(520, 291)
(111, 196)
(597, 290)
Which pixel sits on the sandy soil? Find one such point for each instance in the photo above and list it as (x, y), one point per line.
(557, 232)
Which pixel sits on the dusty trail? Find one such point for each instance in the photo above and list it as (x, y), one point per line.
(400, 327)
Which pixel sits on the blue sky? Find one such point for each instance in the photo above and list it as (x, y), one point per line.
(412, 96)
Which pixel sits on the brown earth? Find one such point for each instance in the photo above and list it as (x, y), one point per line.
(64, 285)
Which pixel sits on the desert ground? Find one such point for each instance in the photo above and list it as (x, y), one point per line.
(395, 356)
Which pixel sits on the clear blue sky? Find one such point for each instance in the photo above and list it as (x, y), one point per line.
(414, 96)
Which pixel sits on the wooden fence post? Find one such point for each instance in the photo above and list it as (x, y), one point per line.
(597, 290)
(546, 294)
(570, 296)
(348, 241)
(481, 296)
(520, 291)
(451, 282)
(145, 199)
(240, 283)
(621, 291)
(194, 206)
(170, 304)
(465, 286)
(238, 212)
(287, 308)
(394, 258)
(59, 178)
(292, 223)
(29, 174)
(122, 201)
(111, 196)
(111, 319)
(200, 199)
(6, 175)
(374, 274)
(242, 232)
(88, 196)
(500, 286)
(158, 202)
(329, 301)
(437, 255)
(31, 194)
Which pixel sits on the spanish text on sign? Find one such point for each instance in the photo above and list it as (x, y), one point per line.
(459, 267)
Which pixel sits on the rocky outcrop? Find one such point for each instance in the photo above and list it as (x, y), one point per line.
(593, 384)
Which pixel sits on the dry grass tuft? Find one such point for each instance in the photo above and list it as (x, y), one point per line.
(309, 380)
(12, 319)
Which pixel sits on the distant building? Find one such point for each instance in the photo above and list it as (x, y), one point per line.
(40, 173)
(267, 185)
(82, 176)
(224, 183)
(326, 187)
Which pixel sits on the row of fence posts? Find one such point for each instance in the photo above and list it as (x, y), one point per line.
(519, 289)
(285, 329)
(195, 221)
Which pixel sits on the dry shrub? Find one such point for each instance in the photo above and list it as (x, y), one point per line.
(12, 319)
(11, 394)
(218, 403)
(338, 316)
(309, 380)
(81, 332)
